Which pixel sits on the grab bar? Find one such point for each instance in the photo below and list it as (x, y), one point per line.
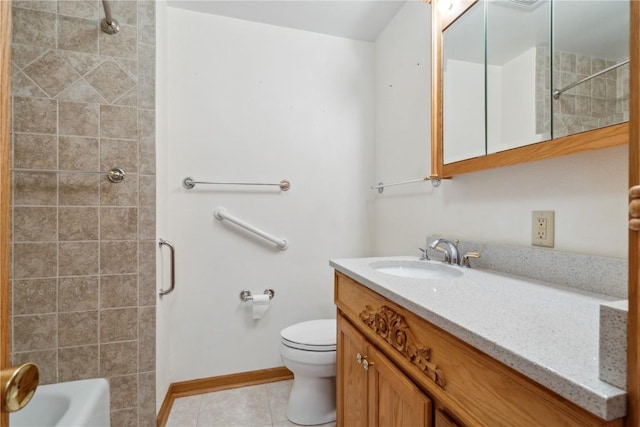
(162, 242)
(558, 92)
(221, 214)
(188, 183)
(381, 185)
(114, 175)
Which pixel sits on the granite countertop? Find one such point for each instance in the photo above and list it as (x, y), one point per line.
(546, 332)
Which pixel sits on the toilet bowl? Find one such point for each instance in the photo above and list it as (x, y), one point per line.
(308, 349)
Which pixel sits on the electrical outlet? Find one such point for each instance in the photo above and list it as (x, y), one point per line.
(542, 228)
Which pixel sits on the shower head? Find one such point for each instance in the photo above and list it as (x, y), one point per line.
(108, 24)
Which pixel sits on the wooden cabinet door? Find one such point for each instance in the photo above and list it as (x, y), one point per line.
(443, 420)
(351, 378)
(394, 400)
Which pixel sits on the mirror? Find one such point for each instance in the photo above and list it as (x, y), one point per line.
(518, 49)
(603, 43)
(515, 118)
(463, 86)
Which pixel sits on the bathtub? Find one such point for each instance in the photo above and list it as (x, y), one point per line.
(82, 403)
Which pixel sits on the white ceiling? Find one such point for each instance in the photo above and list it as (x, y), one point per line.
(353, 19)
(596, 28)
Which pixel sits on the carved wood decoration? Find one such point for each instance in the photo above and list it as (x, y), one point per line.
(392, 327)
(634, 208)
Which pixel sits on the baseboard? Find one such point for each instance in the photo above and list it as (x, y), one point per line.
(224, 382)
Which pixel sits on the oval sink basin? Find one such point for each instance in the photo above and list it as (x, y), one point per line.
(416, 269)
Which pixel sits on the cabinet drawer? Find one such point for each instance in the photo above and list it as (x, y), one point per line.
(476, 388)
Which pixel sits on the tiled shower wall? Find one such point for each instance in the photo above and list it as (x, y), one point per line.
(83, 267)
(599, 102)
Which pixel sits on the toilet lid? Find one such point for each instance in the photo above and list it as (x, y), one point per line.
(313, 335)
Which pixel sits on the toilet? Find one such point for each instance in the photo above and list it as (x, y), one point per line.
(308, 349)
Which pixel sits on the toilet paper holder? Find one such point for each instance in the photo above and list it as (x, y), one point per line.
(245, 294)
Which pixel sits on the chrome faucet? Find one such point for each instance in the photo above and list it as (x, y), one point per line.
(424, 255)
(449, 248)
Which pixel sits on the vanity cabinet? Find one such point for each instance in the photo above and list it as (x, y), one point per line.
(371, 390)
(417, 371)
(443, 420)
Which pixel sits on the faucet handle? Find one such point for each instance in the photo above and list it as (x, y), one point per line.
(465, 258)
(425, 255)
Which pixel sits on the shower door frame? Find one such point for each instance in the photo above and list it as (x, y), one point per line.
(5, 188)
(633, 340)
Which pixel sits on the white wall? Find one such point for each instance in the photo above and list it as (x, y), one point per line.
(511, 105)
(517, 95)
(588, 191)
(495, 128)
(240, 100)
(253, 102)
(464, 93)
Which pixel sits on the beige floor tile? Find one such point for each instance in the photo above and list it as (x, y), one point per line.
(278, 399)
(290, 424)
(184, 412)
(240, 407)
(255, 406)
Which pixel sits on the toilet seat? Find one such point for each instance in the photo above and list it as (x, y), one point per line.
(313, 335)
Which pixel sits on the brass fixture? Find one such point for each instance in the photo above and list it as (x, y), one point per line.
(19, 385)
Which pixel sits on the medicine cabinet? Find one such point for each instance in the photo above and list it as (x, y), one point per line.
(506, 92)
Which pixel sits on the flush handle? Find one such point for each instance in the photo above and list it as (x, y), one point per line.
(19, 384)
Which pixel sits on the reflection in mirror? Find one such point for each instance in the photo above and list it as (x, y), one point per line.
(589, 37)
(463, 86)
(518, 83)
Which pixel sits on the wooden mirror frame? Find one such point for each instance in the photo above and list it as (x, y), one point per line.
(596, 139)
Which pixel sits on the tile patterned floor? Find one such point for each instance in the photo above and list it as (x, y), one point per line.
(255, 406)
